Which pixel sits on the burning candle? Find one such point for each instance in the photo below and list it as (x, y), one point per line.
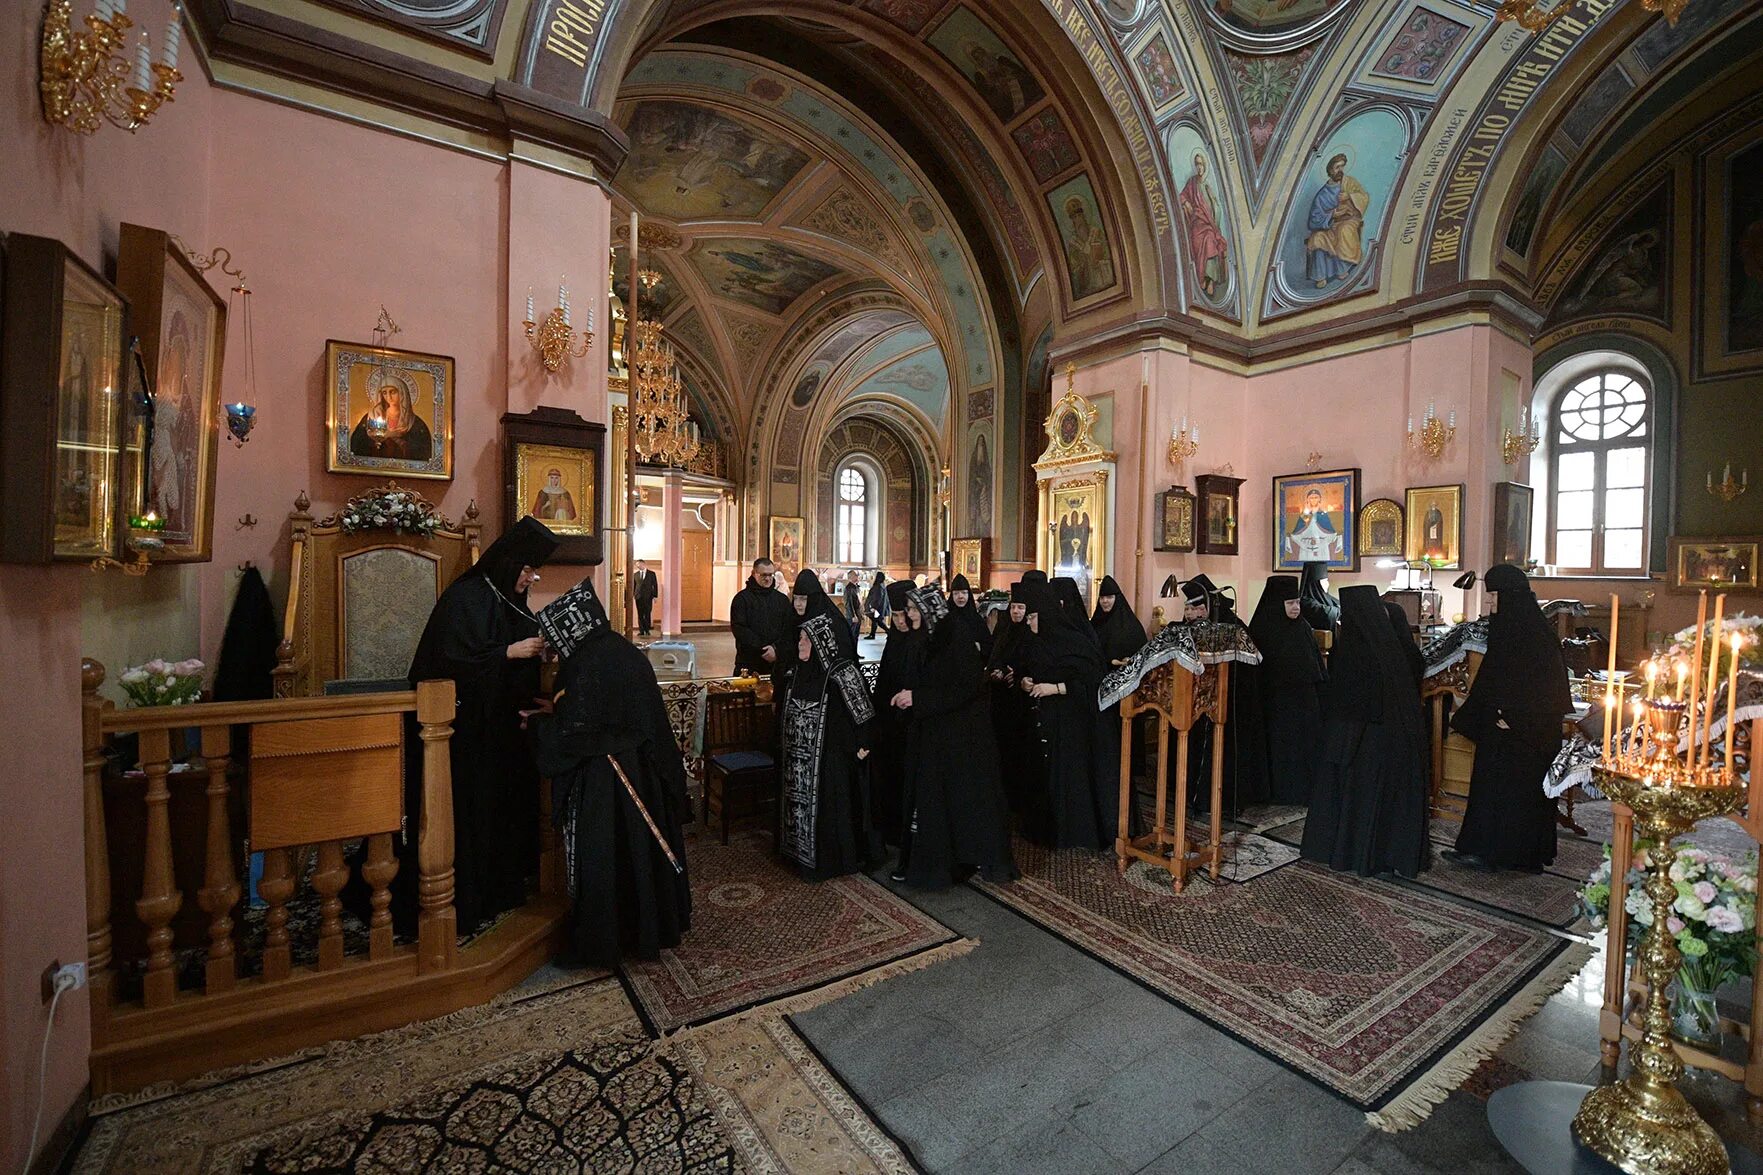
(1682, 674)
(1652, 677)
(1689, 740)
(1707, 748)
(1610, 673)
(1732, 690)
(1635, 730)
(1612, 718)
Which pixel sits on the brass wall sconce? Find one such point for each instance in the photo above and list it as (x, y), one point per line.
(1727, 489)
(554, 338)
(1183, 444)
(1435, 433)
(85, 76)
(1516, 445)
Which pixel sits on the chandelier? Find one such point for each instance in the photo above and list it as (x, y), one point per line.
(660, 417)
(1534, 17)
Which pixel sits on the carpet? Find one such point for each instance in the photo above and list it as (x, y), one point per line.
(566, 1080)
(1383, 993)
(761, 933)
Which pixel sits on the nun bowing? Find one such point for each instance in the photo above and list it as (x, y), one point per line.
(957, 818)
(1077, 807)
(1513, 714)
(1368, 810)
(618, 787)
(887, 761)
(1291, 676)
(826, 736)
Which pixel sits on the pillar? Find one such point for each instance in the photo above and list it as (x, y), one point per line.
(672, 550)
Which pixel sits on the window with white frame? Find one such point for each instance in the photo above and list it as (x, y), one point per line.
(1600, 448)
(851, 523)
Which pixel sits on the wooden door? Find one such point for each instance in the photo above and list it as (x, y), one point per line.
(697, 576)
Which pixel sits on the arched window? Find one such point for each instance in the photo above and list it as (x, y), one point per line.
(851, 528)
(1600, 440)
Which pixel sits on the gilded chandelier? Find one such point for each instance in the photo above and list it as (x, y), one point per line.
(660, 415)
(85, 74)
(1535, 17)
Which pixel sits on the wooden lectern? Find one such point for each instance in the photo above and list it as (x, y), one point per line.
(1179, 698)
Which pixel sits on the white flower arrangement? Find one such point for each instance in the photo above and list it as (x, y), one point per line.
(1683, 642)
(163, 683)
(1713, 917)
(390, 509)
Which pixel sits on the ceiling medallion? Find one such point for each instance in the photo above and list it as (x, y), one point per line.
(1532, 16)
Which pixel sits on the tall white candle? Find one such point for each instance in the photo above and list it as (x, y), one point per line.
(143, 64)
(174, 38)
(590, 318)
(529, 305)
(1195, 435)
(118, 7)
(102, 11)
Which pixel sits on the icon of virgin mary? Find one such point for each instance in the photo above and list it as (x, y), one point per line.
(390, 427)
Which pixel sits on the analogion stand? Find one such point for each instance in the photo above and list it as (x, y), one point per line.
(1179, 698)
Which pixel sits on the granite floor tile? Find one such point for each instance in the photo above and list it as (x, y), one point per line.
(1291, 1125)
(1055, 1148)
(1151, 1104)
(1013, 1086)
(915, 1122)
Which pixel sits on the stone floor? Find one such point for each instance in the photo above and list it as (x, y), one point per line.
(1027, 1055)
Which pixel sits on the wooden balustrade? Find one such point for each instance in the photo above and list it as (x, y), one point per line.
(322, 774)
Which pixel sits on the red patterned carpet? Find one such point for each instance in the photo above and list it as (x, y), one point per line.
(1385, 994)
(760, 933)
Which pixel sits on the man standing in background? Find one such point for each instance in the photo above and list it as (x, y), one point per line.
(853, 593)
(764, 624)
(644, 590)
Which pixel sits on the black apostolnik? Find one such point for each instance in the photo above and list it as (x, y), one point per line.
(1319, 610)
(827, 716)
(1078, 805)
(1121, 635)
(618, 787)
(887, 759)
(967, 619)
(1013, 713)
(1513, 714)
(1292, 677)
(957, 817)
(1368, 811)
(495, 784)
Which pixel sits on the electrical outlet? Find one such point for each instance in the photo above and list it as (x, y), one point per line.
(64, 978)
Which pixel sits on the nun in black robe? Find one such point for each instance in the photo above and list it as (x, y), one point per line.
(1245, 732)
(1368, 808)
(1291, 675)
(956, 811)
(964, 613)
(826, 828)
(1078, 806)
(887, 759)
(482, 637)
(1013, 713)
(1121, 635)
(1513, 714)
(1320, 610)
(618, 788)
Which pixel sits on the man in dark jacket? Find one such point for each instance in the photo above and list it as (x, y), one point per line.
(644, 590)
(853, 593)
(764, 624)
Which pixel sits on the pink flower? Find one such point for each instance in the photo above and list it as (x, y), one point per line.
(1704, 891)
(1725, 920)
(191, 667)
(1674, 924)
(157, 665)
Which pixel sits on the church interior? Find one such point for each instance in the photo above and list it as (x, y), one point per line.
(1134, 313)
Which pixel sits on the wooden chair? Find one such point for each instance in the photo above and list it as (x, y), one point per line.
(740, 774)
(357, 602)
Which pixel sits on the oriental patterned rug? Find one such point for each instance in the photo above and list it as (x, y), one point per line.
(1383, 993)
(761, 934)
(566, 1080)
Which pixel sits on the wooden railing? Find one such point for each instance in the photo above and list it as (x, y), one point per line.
(320, 774)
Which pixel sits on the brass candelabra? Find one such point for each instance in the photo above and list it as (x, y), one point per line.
(1183, 444)
(1435, 432)
(84, 73)
(660, 412)
(553, 337)
(1516, 445)
(1726, 489)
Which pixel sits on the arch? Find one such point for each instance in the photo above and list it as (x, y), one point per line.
(860, 505)
(1559, 368)
(895, 460)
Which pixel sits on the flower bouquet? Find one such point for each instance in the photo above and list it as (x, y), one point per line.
(390, 509)
(1683, 642)
(1713, 920)
(163, 683)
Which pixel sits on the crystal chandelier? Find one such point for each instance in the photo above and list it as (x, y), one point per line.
(660, 417)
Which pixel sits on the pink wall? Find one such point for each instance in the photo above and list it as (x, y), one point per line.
(329, 221)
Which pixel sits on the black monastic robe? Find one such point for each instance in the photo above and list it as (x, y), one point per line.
(1291, 677)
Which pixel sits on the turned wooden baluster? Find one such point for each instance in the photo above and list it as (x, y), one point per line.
(437, 943)
(276, 887)
(92, 709)
(220, 884)
(328, 881)
(378, 870)
(160, 898)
